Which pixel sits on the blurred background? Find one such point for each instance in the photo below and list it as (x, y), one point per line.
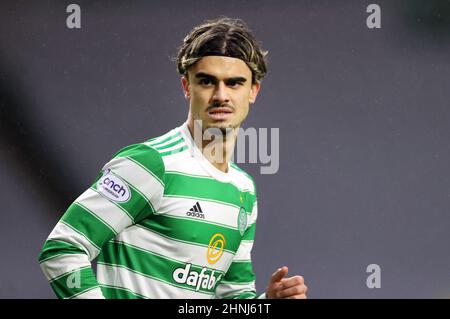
(364, 118)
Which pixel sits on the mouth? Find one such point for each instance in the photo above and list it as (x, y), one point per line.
(220, 113)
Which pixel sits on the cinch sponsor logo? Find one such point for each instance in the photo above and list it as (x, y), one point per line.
(206, 279)
(113, 187)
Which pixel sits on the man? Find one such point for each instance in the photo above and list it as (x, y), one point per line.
(172, 217)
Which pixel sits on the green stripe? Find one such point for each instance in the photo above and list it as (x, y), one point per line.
(203, 221)
(147, 263)
(112, 292)
(88, 225)
(175, 151)
(208, 177)
(54, 248)
(240, 272)
(202, 199)
(250, 233)
(137, 207)
(193, 231)
(159, 148)
(93, 214)
(244, 295)
(162, 140)
(148, 157)
(67, 285)
(206, 188)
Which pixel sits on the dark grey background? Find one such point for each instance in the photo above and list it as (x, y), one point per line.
(363, 115)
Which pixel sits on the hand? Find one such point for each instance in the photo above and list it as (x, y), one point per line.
(286, 288)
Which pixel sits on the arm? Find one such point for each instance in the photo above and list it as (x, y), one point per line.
(119, 198)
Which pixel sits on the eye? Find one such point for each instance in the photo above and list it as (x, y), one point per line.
(234, 84)
(206, 82)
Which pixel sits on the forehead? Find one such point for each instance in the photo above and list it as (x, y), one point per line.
(221, 67)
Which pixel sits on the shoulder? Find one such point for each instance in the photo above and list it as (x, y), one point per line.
(145, 155)
(151, 154)
(168, 144)
(134, 171)
(141, 154)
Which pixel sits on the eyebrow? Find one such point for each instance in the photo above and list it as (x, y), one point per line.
(204, 75)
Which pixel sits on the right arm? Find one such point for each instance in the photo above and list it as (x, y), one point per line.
(128, 190)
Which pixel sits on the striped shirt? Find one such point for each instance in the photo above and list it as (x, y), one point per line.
(162, 222)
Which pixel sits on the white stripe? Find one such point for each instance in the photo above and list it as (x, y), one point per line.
(162, 137)
(175, 250)
(241, 179)
(185, 164)
(60, 265)
(224, 290)
(213, 212)
(66, 234)
(95, 293)
(108, 212)
(176, 138)
(253, 216)
(143, 285)
(244, 251)
(127, 290)
(139, 178)
(172, 148)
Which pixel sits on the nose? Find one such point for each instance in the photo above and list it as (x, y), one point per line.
(220, 94)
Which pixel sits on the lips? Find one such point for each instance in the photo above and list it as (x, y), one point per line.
(220, 109)
(220, 113)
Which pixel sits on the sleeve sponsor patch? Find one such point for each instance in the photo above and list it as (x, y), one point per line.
(113, 187)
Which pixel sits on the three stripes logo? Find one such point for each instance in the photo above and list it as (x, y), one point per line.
(196, 211)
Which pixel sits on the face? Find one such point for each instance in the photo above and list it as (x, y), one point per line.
(220, 91)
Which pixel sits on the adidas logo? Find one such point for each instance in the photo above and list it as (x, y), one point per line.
(196, 211)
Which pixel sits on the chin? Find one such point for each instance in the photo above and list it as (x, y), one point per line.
(221, 125)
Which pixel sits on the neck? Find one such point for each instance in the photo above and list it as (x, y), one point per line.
(216, 145)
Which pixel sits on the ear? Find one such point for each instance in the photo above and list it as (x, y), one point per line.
(254, 92)
(185, 85)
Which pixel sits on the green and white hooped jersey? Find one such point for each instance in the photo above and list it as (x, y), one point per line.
(163, 222)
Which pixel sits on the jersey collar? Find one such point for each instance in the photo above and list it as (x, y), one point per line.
(197, 154)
